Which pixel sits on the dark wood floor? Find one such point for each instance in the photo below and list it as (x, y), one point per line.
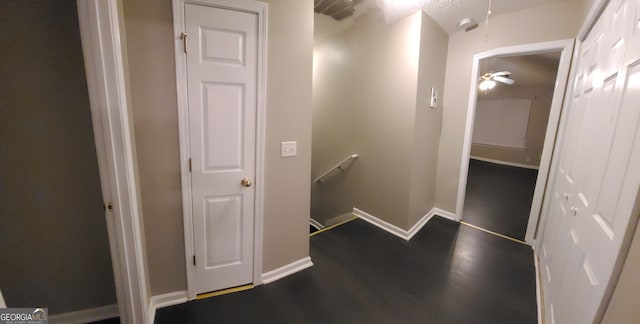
(498, 197)
(448, 273)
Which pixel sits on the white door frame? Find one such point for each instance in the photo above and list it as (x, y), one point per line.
(260, 9)
(102, 43)
(566, 49)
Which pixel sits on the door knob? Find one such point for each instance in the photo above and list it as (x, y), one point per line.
(246, 182)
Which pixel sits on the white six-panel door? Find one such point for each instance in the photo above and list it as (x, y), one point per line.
(222, 84)
(598, 174)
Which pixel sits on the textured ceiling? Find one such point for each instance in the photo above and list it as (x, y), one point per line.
(448, 13)
(527, 70)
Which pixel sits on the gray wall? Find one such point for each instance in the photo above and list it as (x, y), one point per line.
(287, 183)
(53, 236)
(149, 34)
(371, 87)
(561, 21)
(151, 62)
(428, 121)
(540, 97)
(369, 113)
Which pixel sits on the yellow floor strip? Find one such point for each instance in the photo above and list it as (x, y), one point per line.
(224, 292)
(332, 226)
(494, 233)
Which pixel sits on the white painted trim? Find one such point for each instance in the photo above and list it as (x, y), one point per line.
(261, 10)
(2, 303)
(102, 43)
(316, 224)
(395, 230)
(286, 270)
(592, 17)
(536, 264)
(166, 300)
(406, 235)
(420, 224)
(513, 164)
(443, 213)
(86, 315)
(566, 49)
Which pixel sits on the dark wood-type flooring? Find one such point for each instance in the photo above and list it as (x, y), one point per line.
(498, 197)
(448, 273)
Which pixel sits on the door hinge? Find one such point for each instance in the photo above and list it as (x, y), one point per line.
(190, 165)
(194, 259)
(183, 36)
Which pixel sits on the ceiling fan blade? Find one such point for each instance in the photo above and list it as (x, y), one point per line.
(501, 73)
(504, 80)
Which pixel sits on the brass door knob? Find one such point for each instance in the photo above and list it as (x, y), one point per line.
(246, 182)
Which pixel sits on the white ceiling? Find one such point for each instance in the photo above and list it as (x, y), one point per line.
(448, 13)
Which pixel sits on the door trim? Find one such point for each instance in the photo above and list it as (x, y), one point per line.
(260, 9)
(566, 49)
(102, 46)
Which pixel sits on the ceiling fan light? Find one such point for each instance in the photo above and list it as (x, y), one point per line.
(487, 85)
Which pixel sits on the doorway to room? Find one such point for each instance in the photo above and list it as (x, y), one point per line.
(514, 108)
(508, 138)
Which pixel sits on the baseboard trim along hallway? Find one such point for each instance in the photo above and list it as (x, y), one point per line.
(86, 315)
(397, 231)
(286, 270)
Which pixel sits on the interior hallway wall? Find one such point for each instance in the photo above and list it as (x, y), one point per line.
(53, 234)
(151, 69)
(287, 183)
(334, 123)
(561, 21)
(428, 121)
(540, 97)
(150, 51)
(371, 88)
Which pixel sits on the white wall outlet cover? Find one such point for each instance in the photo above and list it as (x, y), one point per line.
(434, 98)
(288, 149)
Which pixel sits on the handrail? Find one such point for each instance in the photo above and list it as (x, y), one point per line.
(340, 166)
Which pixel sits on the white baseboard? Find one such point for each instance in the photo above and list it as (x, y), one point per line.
(421, 223)
(86, 315)
(513, 164)
(165, 300)
(316, 224)
(338, 219)
(286, 270)
(395, 230)
(445, 214)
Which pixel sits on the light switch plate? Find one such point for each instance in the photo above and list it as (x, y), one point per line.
(434, 98)
(288, 149)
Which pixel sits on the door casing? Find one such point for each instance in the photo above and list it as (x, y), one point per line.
(566, 49)
(260, 9)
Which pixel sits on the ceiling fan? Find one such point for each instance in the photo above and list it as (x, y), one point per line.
(488, 80)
